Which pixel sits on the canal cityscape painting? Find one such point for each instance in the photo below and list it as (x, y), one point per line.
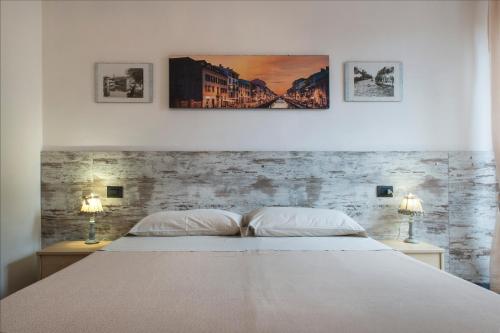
(124, 83)
(373, 81)
(249, 82)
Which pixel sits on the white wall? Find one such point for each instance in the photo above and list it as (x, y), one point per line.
(443, 46)
(21, 142)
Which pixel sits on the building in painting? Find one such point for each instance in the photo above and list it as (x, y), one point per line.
(244, 93)
(385, 77)
(214, 85)
(317, 87)
(116, 86)
(185, 83)
(297, 89)
(232, 86)
(261, 94)
(361, 74)
(197, 84)
(311, 92)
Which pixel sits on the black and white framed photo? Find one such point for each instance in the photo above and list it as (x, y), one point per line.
(370, 81)
(124, 83)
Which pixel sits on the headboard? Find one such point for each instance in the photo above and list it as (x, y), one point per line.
(458, 190)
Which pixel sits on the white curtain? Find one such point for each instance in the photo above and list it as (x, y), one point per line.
(494, 42)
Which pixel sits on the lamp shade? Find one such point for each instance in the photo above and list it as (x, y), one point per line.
(410, 205)
(91, 204)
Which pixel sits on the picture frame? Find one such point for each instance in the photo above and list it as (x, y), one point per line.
(124, 82)
(250, 82)
(373, 81)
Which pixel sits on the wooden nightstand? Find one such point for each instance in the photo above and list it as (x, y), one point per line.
(424, 252)
(55, 257)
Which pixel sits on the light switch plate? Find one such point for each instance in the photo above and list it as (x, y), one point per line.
(114, 191)
(385, 191)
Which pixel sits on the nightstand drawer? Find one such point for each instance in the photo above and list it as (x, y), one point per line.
(424, 252)
(49, 264)
(433, 259)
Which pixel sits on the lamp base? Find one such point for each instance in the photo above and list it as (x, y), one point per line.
(411, 240)
(91, 237)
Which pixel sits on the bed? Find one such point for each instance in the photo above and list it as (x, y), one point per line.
(252, 284)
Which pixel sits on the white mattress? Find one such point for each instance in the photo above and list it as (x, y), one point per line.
(242, 244)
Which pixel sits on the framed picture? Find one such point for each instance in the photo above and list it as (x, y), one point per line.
(249, 82)
(124, 83)
(373, 81)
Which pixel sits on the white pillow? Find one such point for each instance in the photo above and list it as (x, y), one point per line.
(196, 222)
(296, 221)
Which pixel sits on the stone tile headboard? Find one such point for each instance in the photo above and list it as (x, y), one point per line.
(458, 190)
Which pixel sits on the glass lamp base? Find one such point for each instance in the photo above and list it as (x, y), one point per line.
(91, 237)
(410, 238)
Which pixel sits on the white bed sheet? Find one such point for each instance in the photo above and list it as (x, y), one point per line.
(242, 244)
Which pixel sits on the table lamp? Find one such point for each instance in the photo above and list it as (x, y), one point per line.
(410, 205)
(91, 204)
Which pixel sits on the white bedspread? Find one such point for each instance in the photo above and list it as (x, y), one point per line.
(188, 285)
(239, 244)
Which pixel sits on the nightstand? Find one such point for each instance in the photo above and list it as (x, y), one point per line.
(55, 257)
(424, 252)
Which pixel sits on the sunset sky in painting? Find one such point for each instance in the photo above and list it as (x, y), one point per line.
(277, 71)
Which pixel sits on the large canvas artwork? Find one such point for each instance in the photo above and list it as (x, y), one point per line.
(249, 82)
